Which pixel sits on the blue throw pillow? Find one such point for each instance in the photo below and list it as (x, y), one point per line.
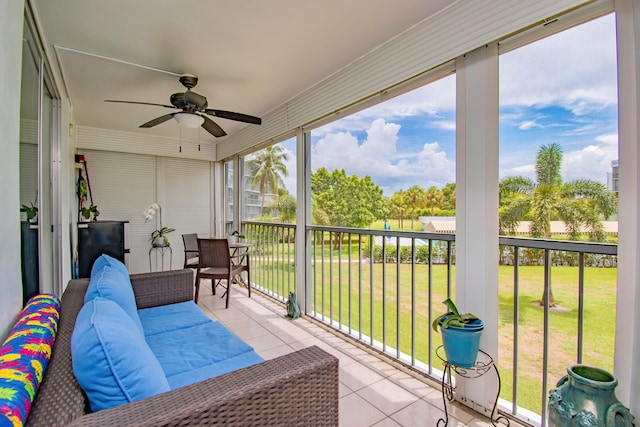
(106, 260)
(109, 283)
(111, 360)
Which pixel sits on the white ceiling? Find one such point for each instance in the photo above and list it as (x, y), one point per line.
(250, 55)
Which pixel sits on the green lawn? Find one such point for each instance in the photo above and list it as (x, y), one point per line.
(347, 299)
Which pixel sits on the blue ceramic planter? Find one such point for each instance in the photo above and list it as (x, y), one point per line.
(461, 345)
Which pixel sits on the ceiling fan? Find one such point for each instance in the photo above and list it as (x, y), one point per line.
(194, 110)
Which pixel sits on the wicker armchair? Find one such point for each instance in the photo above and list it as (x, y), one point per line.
(217, 263)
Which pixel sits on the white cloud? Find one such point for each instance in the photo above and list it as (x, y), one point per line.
(528, 124)
(444, 124)
(377, 157)
(592, 162)
(575, 69)
(528, 171)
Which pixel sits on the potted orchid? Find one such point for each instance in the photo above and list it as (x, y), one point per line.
(159, 236)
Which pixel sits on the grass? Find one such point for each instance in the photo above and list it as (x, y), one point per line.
(361, 298)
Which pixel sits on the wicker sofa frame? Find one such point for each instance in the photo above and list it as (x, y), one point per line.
(300, 388)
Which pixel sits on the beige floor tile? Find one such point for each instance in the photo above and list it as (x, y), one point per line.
(387, 422)
(411, 384)
(343, 390)
(275, 352)
(387, 396)
(357, 412)
(356, 376)
(265, 342)
(421, 413)
(251, 332)
(344, 359)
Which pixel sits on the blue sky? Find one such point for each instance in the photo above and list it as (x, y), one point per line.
(559, 89)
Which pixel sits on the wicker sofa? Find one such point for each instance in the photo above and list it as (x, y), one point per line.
(300, 388)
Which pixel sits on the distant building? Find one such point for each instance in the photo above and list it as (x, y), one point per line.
(612, 179)
(251, 198)
(448, 225)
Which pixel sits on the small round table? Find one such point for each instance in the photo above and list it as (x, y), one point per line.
(482, 366)
(163, 249)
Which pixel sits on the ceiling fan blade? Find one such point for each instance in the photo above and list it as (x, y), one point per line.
(234, 116)
(141, 103)
(158, 120)
(212, 127)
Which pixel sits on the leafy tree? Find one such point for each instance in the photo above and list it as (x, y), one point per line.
(449, 193)
(267, 169)
(286, 206)
(346, 201)
(433, 198)
(581, 204)
(415, 198)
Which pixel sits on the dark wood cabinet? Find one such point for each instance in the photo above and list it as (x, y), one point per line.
(99, 237)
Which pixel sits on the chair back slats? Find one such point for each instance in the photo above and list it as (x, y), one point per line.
(190, 242)
(190, 250)
(214, 253)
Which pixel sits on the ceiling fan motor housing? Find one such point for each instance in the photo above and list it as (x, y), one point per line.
(189, 101)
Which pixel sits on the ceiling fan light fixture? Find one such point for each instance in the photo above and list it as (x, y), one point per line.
(189, 120)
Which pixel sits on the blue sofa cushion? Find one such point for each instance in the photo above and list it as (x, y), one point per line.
(106, 260)
(163, 318)
(213, 370)
(111, 360)
(109, 283)
(193, 352)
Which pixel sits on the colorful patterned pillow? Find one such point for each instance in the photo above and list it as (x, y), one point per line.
(24, 356)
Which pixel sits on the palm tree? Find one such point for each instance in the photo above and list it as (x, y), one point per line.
(266, 171)
(397, 207)
(433, 198)
(415, 198)
(581, 204)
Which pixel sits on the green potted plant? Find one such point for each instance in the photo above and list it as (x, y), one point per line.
(31, 212)
(91, 213)
(235, 236)
(158, 237)
(460, 335)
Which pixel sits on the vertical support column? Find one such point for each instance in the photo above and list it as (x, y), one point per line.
(217, 200)
(238, 181)
(303, 217)
(627, 344)
(477, 207)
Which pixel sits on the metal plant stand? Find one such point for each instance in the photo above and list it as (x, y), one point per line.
(483, 365)
(163, 249)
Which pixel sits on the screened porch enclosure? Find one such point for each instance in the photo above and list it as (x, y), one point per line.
(376, 290)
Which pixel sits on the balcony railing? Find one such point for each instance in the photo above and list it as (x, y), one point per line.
(389, 305)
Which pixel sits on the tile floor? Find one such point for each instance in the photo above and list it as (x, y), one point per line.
(372, 391)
